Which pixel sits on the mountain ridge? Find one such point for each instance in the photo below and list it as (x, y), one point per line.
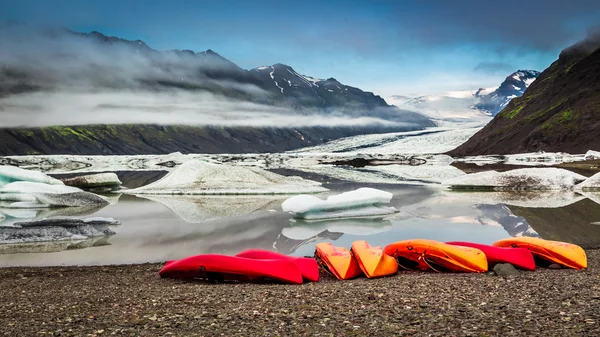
(559, 112)
(75, 63)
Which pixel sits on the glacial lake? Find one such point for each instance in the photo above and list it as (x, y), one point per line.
(159, 228)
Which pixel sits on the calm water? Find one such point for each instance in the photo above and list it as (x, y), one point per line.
(163, 228)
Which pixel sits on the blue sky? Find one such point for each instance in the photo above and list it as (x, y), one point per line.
(388, 47)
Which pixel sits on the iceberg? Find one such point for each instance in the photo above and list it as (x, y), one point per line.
(591, 155)
(57, 229)
(100, 181)
(44, 195)
(363, 202)
(590, 184)
(35, 187)
(200, 177)
(9, 174)
(518, 179)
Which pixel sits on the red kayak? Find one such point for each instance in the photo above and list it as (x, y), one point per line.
(518, 257)
(309, 268)
(215, 267)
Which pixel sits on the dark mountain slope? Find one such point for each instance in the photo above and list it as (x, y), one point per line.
(560, 111)
(154, 139)
(70, 65)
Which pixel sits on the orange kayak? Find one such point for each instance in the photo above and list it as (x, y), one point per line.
(563, 253)
(434, 255)
(337, 260)
(372, 260)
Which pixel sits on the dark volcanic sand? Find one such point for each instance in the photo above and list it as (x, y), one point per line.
(134, 301)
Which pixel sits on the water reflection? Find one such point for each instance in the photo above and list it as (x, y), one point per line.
(158, 228)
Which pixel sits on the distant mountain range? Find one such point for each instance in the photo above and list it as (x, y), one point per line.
(559, 112)
(62, 61)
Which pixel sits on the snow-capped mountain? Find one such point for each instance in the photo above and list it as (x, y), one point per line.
(464, 105)
(513, 86)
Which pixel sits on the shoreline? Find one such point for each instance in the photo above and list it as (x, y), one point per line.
(132, 299)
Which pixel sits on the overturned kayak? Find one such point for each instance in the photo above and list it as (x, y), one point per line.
(562, 253)
(519, 257)
(215, 267)
(372, 260)
(339, 261)
(423, 254)
(309, 268)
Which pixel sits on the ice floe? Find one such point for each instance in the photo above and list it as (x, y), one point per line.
(518, 179)
(100, 181)
(590, 184)
(591, 155)
(200, 177)
(9, 174)
(363, 202)
(56, 229)
(47, 195)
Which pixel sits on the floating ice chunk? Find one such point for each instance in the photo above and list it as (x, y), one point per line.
(110, 180)
(17, 197)
(199, 177)
(101, 221)
(71, 199)
(35, 187)
(54, 195)
(519, 179)
(9, 174)
(591, 155)
(591, 183)
(363, 202)
(27, 234)
(361, 197)
(24, 204)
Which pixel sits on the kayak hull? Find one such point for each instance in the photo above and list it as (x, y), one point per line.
(309, 268)
(519, 257)
(337, 260)
(562, 253)
(224, 267)
(372, 260)
(423, 254)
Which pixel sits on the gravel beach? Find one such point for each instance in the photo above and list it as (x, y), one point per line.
(132, 300)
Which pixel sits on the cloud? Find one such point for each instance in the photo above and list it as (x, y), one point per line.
(510, 24)
(166, 108)
(493, 67)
